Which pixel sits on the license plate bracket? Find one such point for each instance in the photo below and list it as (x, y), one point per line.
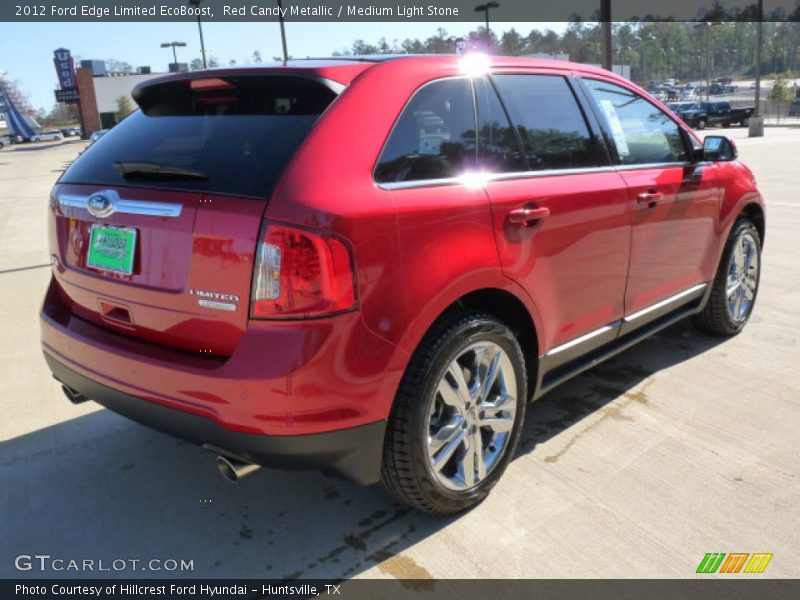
(111, 248)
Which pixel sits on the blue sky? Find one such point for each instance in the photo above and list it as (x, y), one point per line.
(26, 49)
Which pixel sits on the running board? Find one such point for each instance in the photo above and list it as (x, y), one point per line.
(556, 375)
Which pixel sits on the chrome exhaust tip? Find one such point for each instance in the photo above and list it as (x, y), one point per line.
(233, 470)
(74, 396)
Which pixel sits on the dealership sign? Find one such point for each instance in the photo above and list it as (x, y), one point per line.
(68, 96)
(65, 68)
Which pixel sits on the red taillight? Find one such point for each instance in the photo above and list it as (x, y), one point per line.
(300, 273)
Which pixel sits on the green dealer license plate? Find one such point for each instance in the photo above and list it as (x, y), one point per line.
(111, 248)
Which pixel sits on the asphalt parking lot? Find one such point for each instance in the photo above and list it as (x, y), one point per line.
(683, 445)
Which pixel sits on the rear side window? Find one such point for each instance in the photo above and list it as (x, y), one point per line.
(498, 148)
(229, 135)
(551, 125)
(434, 137)
(642, 132)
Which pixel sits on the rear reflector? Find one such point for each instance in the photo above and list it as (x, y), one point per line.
(299, 274)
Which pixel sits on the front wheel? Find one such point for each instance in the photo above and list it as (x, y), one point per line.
(745, 123)
(701, 124)
(458, 415)
(735, 286)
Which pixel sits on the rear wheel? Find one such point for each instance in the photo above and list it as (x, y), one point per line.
(701, 124)
(745, 123)
(735, 286)
(457, 417)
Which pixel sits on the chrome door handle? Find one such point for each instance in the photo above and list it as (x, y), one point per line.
(527, 216)
(650, 198)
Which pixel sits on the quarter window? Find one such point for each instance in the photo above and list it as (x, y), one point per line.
(434, 137)
(551, 125)
(642, 133)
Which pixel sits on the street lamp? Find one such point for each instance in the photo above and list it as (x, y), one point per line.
(708, 25)
(643, 39)
(485, 9)
(283, 32)
(174, 45)
(196, 4)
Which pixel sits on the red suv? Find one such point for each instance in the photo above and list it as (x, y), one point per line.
(373, 265)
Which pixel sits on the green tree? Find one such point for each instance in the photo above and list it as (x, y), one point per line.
(781, 94)
(124, 107)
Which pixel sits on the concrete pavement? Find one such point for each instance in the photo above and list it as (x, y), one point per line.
(683, 445)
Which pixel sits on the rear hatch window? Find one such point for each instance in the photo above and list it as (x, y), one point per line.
(225, 135)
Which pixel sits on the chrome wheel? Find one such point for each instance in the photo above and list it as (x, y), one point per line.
(742, 279)
(472, 416)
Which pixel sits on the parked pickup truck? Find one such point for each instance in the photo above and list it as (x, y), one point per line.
(702, 114)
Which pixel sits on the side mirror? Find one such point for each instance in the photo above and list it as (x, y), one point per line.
(718, 148)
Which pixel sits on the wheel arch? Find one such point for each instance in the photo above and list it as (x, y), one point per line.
(755, 213)
(517, 312)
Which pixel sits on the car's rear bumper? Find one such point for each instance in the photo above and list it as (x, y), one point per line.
(354, 452)
(283, 378)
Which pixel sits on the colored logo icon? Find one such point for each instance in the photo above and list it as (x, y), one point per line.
(735, 562)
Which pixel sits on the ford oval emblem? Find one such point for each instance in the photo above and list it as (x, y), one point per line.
(100, 205)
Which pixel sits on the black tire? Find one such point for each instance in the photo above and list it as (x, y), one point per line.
(406, 471)
(745, 123)
(701, 124)
(725, 125)
(715, 317)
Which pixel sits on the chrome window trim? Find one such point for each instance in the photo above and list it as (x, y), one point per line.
(665, 302)
(125, 206)
(404, 185)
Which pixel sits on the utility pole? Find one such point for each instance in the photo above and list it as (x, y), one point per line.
(605, 25)
(757, 122)
(196, 4)
(283, 32)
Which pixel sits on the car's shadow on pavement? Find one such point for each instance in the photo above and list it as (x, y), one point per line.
(101, 487)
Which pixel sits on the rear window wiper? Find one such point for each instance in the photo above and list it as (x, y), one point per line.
(148, 170)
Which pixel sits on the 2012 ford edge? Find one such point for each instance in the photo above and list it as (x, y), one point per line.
(373, 265)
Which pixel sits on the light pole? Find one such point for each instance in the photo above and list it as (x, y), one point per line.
(708, 25)
(485, 9)
(174, 45)
(643, 39)
(605, 27)
(283, 32)
(196, 4)
(757, 122)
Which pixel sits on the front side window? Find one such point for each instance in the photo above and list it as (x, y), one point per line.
(498, 147)
(434, 137)
(550, 122)
(642, 133)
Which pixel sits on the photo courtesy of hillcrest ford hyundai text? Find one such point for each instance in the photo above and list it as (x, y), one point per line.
(391, 315)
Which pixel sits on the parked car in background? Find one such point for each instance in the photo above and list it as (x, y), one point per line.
(794, 108)
(721, 86)
(47, 136)
(717, 112)
(4, 141)
(97, 135)
(321, 265)
(692, 113)
(71, 131)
